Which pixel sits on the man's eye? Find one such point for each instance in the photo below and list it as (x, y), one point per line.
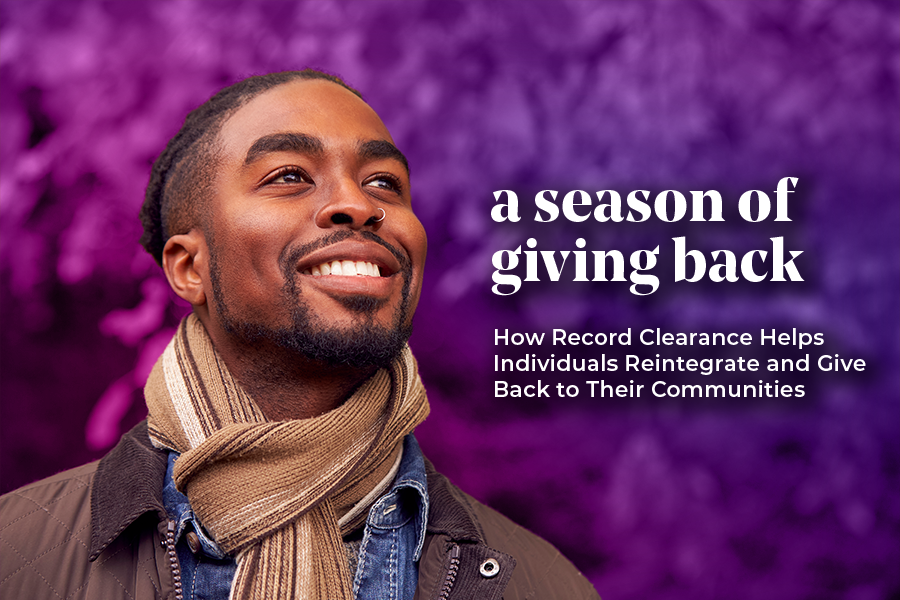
(290, 176)
(385, 182)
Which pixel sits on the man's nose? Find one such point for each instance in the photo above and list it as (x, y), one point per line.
(349, 205)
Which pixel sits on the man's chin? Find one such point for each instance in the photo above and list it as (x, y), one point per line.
(360, 304)
(367, 345)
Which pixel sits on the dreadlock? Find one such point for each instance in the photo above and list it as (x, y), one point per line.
(181, 176)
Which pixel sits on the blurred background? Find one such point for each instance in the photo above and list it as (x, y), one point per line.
(670, 498)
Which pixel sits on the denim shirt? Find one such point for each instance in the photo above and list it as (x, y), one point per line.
(392, 540)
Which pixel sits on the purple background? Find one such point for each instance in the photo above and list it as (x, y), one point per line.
(657, 498)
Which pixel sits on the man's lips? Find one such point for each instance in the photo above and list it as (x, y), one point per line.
(357, 268)
(350, 258)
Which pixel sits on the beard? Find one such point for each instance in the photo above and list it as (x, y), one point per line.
(363, 344)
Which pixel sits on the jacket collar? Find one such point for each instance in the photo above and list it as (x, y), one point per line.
(453, 519)
(130, 479)
(449, 512)
(128, 484)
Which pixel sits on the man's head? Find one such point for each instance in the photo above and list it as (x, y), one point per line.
(268, 182)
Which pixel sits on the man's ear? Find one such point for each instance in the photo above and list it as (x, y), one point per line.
(185, 262)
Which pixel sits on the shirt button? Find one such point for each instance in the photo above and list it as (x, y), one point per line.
(489, 568)
(193, 541)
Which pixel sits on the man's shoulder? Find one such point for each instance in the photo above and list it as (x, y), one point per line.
(541, 570)
(45, 528)
(85, 532)
(539, 565)
(47, 497)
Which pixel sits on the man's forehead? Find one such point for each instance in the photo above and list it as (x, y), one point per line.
(317, 109)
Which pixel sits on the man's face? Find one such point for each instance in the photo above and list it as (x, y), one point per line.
(305, 173)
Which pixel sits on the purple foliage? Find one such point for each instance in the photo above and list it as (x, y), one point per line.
(663, 498)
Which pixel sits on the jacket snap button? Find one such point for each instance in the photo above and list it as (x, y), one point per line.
(489, 568)
(193, 542)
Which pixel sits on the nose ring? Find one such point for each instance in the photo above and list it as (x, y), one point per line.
(383, 215)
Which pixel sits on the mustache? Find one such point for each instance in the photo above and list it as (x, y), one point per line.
(294, 254)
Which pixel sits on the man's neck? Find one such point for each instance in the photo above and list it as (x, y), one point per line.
(288, 387)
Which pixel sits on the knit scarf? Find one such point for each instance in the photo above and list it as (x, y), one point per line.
(273, 494)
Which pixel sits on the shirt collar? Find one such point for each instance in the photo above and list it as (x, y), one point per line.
(179, 509)
(407, 499)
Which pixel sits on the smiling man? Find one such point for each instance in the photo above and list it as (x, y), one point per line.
(278, 458)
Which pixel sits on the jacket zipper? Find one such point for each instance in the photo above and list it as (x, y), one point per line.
(450, 577)
(172, 555)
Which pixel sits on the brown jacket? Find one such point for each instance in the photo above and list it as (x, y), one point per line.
(54, 546)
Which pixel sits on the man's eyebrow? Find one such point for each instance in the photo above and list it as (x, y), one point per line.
(375, 149)
(284, 142)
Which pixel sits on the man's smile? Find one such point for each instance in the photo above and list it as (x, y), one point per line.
(350, 255)
(348, 263)
(357, 268)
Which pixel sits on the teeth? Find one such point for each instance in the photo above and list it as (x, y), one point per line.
(359, 268)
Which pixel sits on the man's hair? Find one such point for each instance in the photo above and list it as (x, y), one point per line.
(181, 176)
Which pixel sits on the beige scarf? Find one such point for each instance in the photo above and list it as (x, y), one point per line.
(272, 493)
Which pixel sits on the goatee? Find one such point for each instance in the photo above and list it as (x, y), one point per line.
(367, 344)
